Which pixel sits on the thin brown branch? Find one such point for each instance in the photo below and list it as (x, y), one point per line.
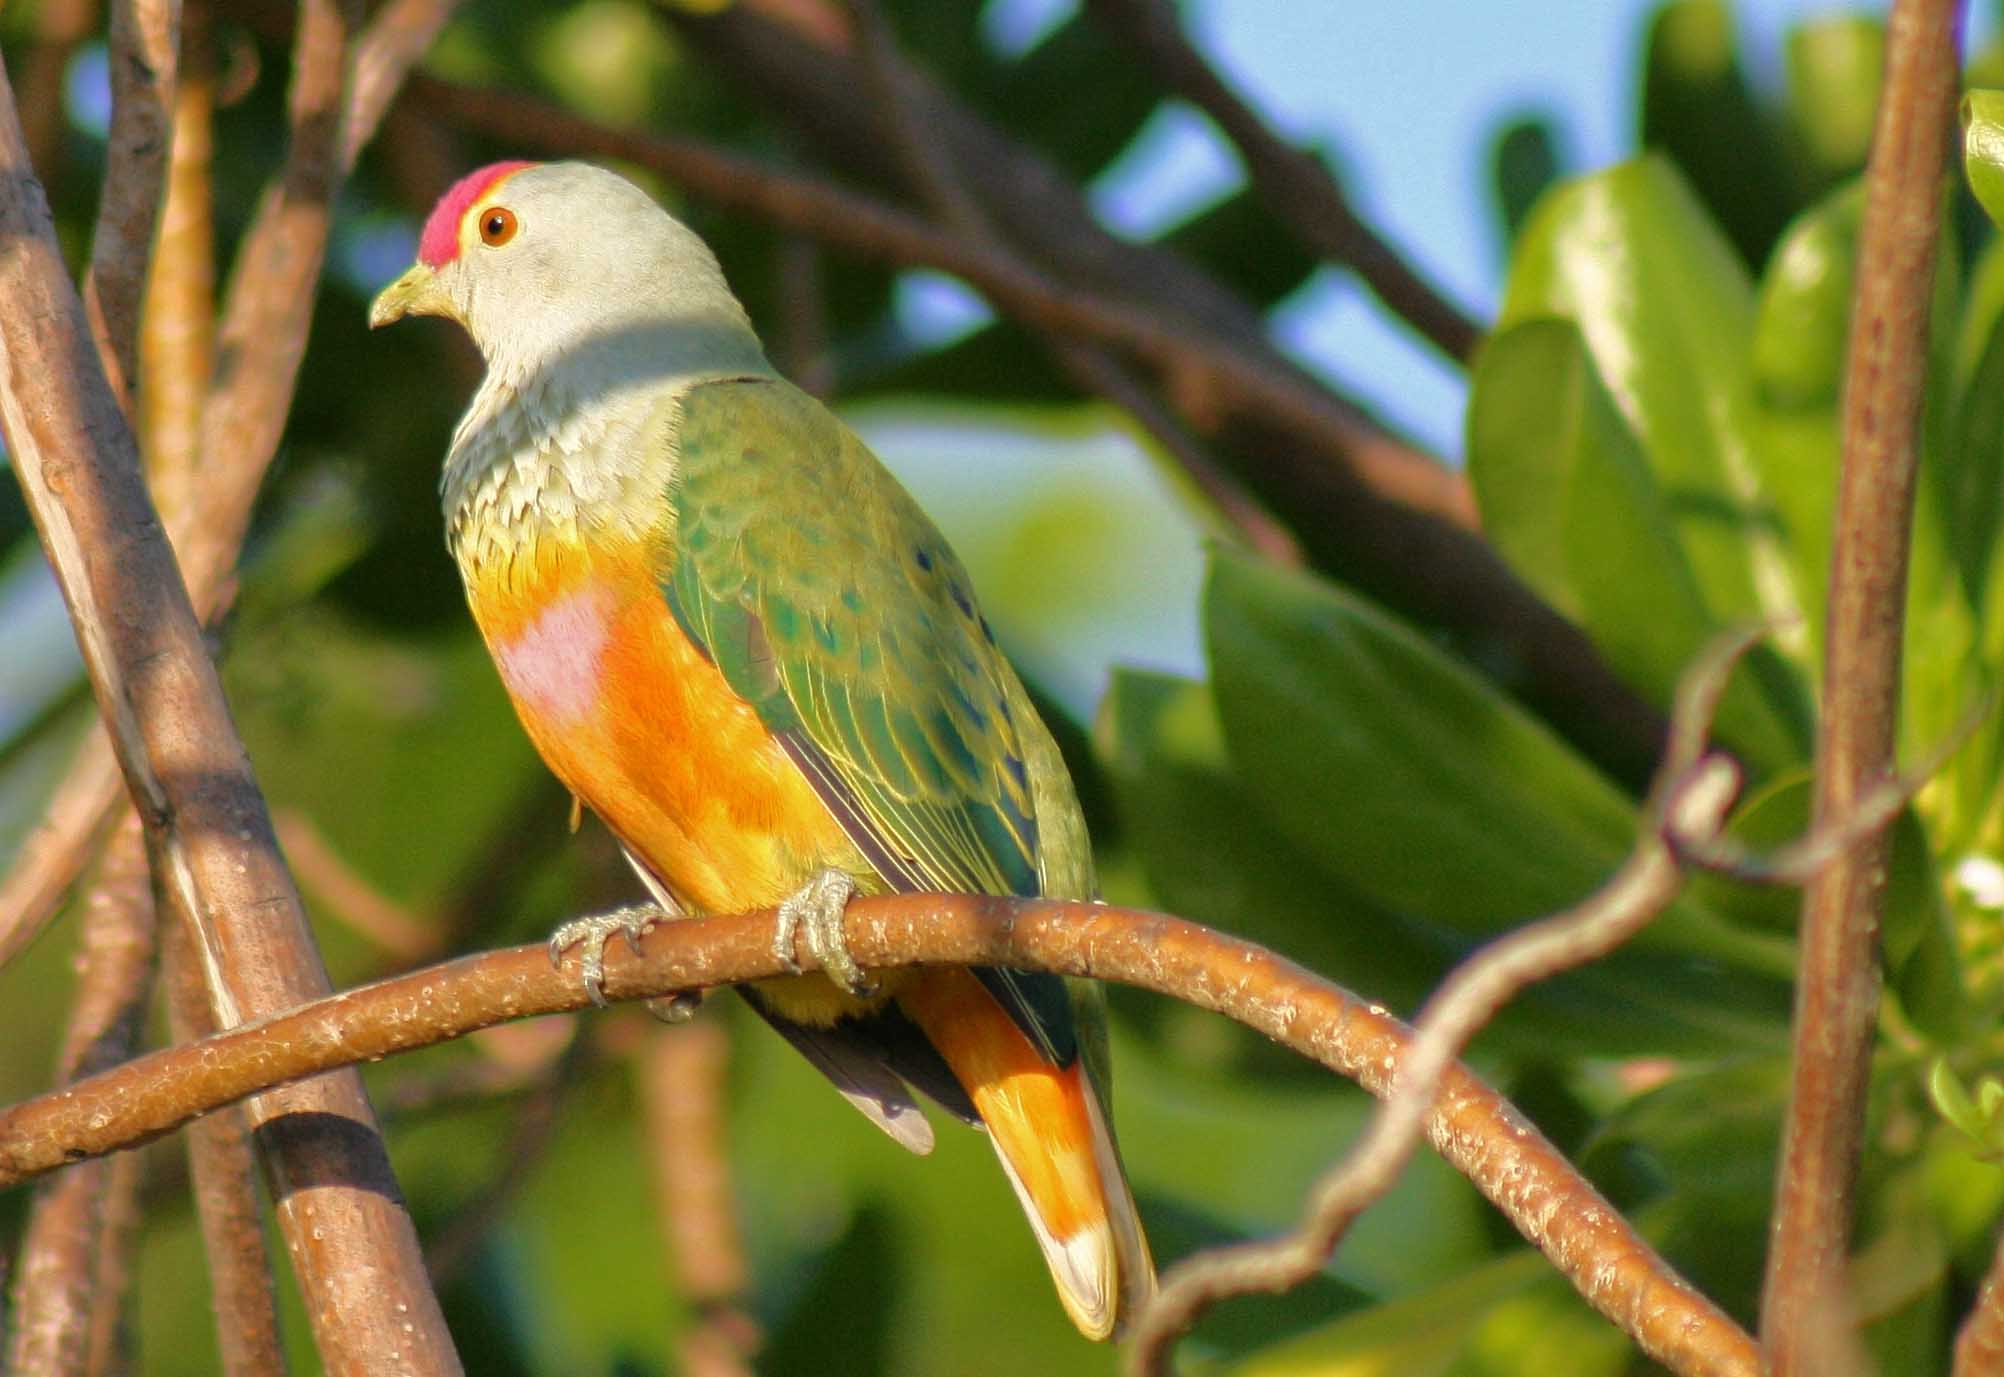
(222, 1171)
(177, 331)
(354, 1247)
(70, 1286)
(1294, 185)
(930, 171)
(55, 853)
(1692, 794)
(144, 42)
(400, 34)
(61, 26)
(1837, 986)
(683, 1078)
(1471, 1126)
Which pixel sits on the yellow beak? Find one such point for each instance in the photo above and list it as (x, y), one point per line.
(416, 293)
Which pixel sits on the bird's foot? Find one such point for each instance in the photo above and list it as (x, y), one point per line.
(595, 931)
(818, 907)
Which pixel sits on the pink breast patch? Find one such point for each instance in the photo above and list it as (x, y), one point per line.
(552, 667)
(439, 244)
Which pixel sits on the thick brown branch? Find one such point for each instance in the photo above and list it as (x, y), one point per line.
(244, 419)
(207, 829)
(1470, 1125)
(1294, 185)
(1806, 1303)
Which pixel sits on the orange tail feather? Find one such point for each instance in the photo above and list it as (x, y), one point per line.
(1046, 1124)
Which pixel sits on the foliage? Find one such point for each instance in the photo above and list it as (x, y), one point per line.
(1651, 439)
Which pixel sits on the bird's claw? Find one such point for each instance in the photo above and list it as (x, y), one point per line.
(819, 906)
(594, 931)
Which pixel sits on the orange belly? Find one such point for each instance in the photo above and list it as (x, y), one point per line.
(638, 723)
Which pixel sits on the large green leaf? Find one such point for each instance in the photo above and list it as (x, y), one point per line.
(1213, 851)
(1630, 256)
(1420, 784)
(1568, 498)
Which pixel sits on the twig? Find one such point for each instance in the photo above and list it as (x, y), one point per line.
(55, 853)
(59, 1301)
(190, 780)
(929, 168)
(145, 35)
(1471, 1126)
(1692, 794)
(683, 1078)
(61, 27)
(400, 34)
(1295, 186)
(223, 1174)
(1837, 986)
(177, 331)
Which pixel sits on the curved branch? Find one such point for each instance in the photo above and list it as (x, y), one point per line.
(1293, 184)
(1469, 1124)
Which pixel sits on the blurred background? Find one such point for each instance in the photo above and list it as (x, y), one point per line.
(540, 1160)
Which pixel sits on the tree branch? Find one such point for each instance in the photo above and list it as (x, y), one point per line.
(1093, 368)
(1806, 1305)
(1294, 185)
(145, 37)
(222, 1171)
(73, 1243)
(1470, 1125)
(207, 828)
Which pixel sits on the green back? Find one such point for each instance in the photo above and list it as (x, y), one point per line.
(835, 607)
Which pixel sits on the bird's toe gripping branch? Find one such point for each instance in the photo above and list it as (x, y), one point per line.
(819, 906)
(594, 931)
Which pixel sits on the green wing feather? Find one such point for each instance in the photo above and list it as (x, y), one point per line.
(831, 603)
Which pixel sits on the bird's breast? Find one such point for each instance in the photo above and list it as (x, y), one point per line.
(639, 724)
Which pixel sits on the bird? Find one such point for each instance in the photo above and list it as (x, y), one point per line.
(731, 633)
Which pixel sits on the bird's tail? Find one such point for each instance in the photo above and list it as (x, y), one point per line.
(1049, 1130)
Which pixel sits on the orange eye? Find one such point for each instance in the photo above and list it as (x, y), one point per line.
(497, 226)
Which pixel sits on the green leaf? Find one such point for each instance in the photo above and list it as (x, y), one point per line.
(1568, 498)
(1633, 260)
(1834, 65)
(1983, 149)
(1416, 781)
(1212, 851)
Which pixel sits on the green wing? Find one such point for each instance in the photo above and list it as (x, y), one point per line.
(833, 605)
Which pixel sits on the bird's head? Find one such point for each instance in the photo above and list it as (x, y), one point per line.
(539, 261)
